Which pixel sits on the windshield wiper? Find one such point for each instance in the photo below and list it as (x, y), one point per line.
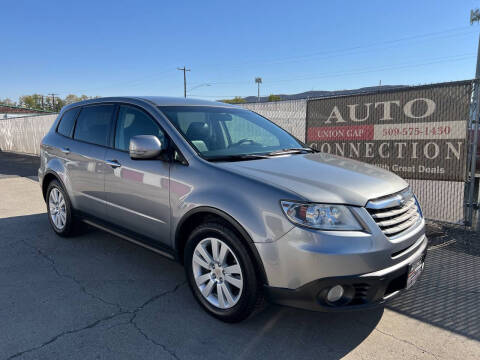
(290, 151)
(241, 157)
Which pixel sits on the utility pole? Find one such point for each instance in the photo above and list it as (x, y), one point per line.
(258, 81)
(474, 17)
(43, 104)
(53, 100)
(184, 69)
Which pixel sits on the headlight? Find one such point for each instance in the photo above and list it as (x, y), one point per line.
(321, 216)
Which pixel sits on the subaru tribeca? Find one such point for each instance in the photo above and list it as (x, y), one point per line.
(250, 211)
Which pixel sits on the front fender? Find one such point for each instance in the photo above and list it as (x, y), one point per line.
(258, 211)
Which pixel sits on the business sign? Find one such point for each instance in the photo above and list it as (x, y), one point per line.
(416, 132)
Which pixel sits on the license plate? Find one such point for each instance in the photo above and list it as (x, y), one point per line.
(414, 271)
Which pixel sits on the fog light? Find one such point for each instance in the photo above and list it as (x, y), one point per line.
(335, 293)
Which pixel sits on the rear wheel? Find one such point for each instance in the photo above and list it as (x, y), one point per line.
(221, 273)
(59, 209)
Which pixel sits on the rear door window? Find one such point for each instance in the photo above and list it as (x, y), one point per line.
(93, 124)
(65, 127)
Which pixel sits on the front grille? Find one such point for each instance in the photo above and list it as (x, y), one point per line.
(396, 213)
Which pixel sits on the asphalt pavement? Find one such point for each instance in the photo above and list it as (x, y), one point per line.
(96, 296)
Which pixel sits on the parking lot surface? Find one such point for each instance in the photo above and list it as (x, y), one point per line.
(96, 296)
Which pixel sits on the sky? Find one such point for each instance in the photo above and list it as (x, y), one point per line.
(107, 48)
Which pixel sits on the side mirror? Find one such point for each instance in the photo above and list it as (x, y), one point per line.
(145, 147)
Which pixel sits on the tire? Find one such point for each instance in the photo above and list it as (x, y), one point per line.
(236, 266)
(59, 210)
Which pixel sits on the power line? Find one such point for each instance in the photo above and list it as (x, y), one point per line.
(247, 82)
(359, 71)
(355, 49)
(362, 70)
(326, 54)
(199, 85)
(377, 69)
(128, 82)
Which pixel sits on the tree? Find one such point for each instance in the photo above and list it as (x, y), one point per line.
(274, 98)
(69, 99)
(35, 101)
(31, 101)
(235, 100)
(7, 101)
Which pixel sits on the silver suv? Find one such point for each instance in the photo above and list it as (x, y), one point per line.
(250, 211)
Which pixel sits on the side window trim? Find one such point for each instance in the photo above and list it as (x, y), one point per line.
(113, 128)
(75, 124)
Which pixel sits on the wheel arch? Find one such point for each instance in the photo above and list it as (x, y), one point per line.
(201, 214)
(47, 179)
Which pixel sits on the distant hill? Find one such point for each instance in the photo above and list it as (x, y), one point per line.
(321, 93)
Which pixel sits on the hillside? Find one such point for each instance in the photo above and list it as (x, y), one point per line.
(322, 93)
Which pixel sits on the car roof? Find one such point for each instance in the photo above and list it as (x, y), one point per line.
(155, 100)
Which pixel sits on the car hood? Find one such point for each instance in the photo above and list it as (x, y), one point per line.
(320, 177)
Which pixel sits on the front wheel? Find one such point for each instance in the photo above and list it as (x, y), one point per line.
(221, 273)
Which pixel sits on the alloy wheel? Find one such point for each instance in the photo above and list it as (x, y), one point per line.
(57, 208)
(217, 272)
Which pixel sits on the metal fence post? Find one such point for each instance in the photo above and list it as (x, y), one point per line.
(473, 168)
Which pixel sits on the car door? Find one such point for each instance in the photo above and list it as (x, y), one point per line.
(86, 158)
(137, 190)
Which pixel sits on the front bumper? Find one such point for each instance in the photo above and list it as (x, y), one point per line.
(361, 291)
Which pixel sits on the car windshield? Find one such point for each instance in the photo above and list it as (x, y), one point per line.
(219, 133)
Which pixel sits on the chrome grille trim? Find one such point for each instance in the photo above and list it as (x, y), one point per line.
(398, 229)
(408, 206)
(396, 213)
(390, 201)
(398, 219)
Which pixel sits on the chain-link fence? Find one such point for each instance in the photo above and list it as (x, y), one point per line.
(290, 115)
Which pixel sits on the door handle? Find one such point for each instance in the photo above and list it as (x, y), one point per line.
(113, 163)
(66, 151)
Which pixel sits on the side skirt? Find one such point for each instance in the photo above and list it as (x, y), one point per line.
(133, 238)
